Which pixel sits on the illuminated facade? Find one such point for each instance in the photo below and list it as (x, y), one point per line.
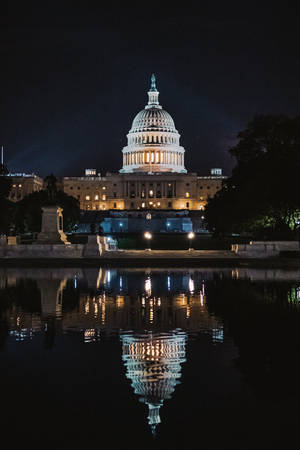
(153, 141)
(24, 184)
(153, 175)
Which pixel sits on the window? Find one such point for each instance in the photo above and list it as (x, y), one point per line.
(78, 196)
(78, 187)
(20, 185)
(169, 204)
(143, 194)
(14, 185)
(115, 184)
(169, 194)
(131, 205)
(103, 197)
(208, 187)
(151, 193)
(115, 205)
(104, 187)
(115, 195)
(143, 205)
(187, 184)
(187, 194)
(71, 188)
(96, 197)
(158, 194)
(87, 197)
(187, 204)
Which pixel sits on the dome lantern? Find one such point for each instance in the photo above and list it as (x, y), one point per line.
(153, 95)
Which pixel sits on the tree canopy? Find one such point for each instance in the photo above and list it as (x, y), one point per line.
(28, 215)
(263, 191)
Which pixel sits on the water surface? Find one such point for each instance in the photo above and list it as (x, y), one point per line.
(150, 358)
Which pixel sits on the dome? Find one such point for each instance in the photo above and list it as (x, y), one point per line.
(153, 141)
(153, 119)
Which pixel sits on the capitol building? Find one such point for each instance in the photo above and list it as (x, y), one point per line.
(153, 175)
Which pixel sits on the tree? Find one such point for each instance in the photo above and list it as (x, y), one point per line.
(29, 209)
(263, 191)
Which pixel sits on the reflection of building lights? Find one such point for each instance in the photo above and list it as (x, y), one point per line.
(217, 335)
(148, 286)
(188, 311)
(103, 313)
(89, 335)
(121, 282)
(87, 307)
(108, 276)
(191, 285)
(201, 299)
(168, 282)
(120, 301)
(153, 364)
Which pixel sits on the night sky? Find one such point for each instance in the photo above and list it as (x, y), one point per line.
(73, 78)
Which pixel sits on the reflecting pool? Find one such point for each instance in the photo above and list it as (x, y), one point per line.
(150, 358)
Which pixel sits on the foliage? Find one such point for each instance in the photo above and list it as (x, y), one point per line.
(29, 210)
(263, 191)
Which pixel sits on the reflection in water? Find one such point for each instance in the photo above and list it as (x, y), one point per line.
(153, 364)
(158, 315)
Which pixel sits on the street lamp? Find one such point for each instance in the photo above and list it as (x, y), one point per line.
(148, 236)
(190, 236)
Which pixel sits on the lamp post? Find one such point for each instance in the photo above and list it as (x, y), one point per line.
(148, 236)
(190, 236)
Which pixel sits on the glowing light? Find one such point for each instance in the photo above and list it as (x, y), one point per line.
(191, 285)
(148, 286)
(191, 235)
(147, 235)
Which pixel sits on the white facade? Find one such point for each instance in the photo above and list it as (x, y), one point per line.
(153, 141)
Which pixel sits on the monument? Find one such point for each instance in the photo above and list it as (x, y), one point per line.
(52, 227)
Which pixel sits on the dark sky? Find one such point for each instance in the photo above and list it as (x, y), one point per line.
(73, 78)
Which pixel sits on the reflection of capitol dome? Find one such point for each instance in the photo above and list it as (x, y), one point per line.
(153, 141)
(153, 364)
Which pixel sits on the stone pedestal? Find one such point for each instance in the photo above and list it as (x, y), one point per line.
(52, 227)
(93, 247)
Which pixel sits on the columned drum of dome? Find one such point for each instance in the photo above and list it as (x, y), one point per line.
(153, 141)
